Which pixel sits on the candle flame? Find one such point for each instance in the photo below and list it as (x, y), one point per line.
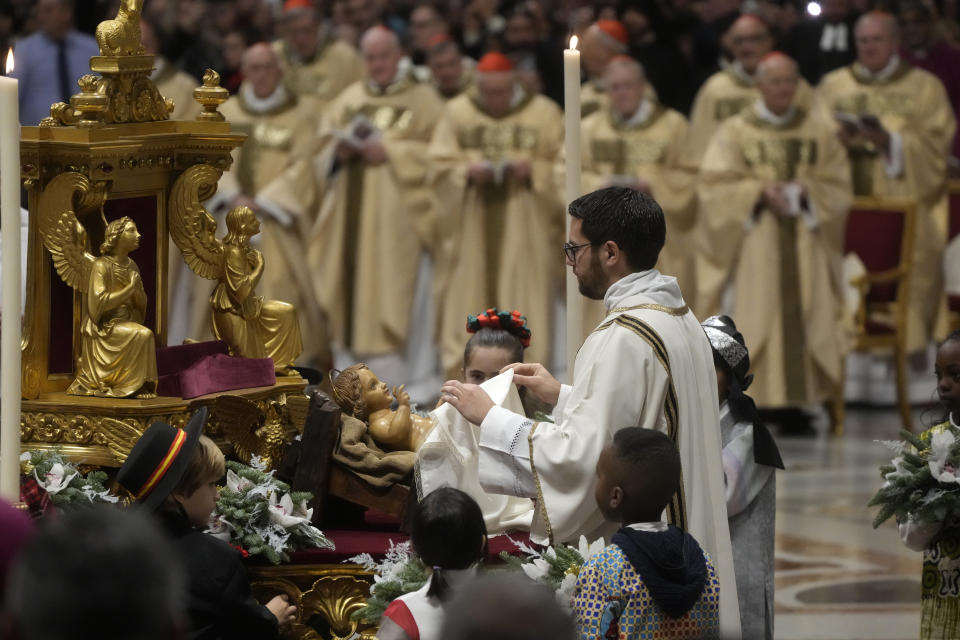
(573, 42)
(9, 67)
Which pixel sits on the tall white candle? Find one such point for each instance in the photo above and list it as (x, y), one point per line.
(10, 303)
(571, 113)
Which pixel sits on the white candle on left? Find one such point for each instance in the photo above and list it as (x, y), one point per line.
(10, 303)
(571, 116)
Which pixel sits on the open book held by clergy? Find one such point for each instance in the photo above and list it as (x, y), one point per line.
(359, 130)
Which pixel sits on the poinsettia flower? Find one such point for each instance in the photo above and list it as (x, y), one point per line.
(587, 550)
(282, 511)
(55, 480)
(538, 569)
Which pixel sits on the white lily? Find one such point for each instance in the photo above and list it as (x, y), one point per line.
(940, 469)
(55, 480)
(282, 512)
(238, 483)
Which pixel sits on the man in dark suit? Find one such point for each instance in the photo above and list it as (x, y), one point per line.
(824, 43)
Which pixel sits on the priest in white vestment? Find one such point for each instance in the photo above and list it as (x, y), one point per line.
(647, 364)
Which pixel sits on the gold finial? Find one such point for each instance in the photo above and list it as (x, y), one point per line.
(89, 105)
(210, 95)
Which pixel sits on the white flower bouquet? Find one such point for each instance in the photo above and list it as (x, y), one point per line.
(922, 481)
(400, 572)
(66, 486)
(556, 566)
(261, 516)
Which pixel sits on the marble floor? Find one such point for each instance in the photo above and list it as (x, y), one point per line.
(836, 577)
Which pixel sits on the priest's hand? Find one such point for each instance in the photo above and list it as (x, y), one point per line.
(519, 171)
(874, 132)
(774, 199)
(345, 152)
(480, 174)
(373, 152)
(470, 400)
(535, 377)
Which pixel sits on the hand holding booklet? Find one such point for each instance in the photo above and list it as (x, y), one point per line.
(359, 130)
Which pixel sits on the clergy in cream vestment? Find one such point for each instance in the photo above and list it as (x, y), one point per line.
(375, 219)
(500, 216)
(315, 63)
(647, 364)
(729, 90)
(775, 189)
(900, 151)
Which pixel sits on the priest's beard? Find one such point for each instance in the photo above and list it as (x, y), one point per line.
(591, 282)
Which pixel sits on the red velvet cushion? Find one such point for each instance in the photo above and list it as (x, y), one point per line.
(183, 356)
(221, 372)
(376, 543)
(876, 237)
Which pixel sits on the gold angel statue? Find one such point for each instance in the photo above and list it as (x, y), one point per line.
(361, 394)
(117, 352)
(251, 326)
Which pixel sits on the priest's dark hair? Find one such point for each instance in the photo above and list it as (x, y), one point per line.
(631, 219)
(448, 533)
(652, 455)
(97, 573)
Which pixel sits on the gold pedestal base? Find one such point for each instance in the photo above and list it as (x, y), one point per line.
(101, 431)
(331, 591)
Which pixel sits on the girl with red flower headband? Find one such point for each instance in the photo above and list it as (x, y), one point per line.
(499, 338)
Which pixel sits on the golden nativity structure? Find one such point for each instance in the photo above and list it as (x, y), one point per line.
(111, 181)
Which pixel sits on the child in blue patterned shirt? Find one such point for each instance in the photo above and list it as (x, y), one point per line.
(654, 581)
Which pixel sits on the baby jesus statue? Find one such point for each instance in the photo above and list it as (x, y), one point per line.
(362, 395)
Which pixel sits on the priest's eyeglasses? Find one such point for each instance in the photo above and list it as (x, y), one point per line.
(571, 249)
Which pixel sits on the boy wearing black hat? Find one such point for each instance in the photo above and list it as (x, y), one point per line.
(174, 472)
(749, 457)
(655, 578)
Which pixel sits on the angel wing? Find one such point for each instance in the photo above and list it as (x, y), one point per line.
(246, 427)
(61, 231)
(191, 225)
(119, 437)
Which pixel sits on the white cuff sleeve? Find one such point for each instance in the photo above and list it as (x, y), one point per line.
(894, 165)
(274, 211)
(565, 390)
(504, 465)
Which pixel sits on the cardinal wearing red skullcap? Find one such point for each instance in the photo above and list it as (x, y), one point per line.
(729, 90)
(494, 152)
(601, 42)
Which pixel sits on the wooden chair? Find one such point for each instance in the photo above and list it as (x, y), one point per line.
(953, 230)
(309, 465)
(881, 234)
